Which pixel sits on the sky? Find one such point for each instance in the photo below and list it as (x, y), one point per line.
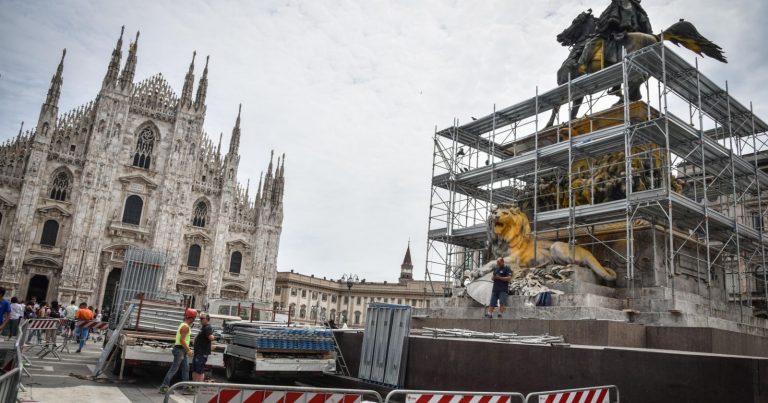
(350, 91)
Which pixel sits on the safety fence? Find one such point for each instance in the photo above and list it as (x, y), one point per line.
(10, 380)
(439, 396)
(242, 393)
(596, 394)
(237, 393)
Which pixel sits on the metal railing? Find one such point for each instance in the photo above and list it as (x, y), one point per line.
(10, 382)
(594, 394)
(238, 393)
(413, 396)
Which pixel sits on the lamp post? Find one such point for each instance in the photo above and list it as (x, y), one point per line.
(350, 280)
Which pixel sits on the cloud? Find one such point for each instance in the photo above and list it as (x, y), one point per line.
(350, 91)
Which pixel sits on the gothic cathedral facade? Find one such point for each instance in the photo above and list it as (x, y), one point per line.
(133, 168)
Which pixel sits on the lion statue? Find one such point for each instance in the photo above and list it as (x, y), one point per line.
(511, 233)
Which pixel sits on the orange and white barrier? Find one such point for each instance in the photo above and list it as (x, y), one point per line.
(212, 395)
(598, 394)
(93, 324)
(438, 396)
(46, 324)
(456, 398)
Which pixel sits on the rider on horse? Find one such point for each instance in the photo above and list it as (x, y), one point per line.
(621, 17)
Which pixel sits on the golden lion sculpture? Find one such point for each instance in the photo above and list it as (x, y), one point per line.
(511, 226)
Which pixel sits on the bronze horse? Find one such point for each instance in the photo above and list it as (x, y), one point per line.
(681, 33)
(575, 37)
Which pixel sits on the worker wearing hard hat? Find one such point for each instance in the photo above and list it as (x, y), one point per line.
(181, 351)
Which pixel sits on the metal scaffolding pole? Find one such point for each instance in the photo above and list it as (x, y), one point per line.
(705, 200)
(735, 207)
(668, 191)
(761, 219)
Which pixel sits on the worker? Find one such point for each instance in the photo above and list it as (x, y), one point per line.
(181, 352)
(202, 348)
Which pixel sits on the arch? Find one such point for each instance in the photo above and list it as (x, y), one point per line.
(303, 312)
(200, 213)
(132, 210)
(50, 233)
(193, 257)
(233, 287)
(145, 143)
(61, 184)
(235, 261)
(357, 317)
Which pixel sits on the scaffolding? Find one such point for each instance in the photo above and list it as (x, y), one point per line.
(694, 184)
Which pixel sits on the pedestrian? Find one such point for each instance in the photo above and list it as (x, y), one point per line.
(54, 313)
(17, 312)
(181, 351)
(71, 310)
(5, 312)
(502, 275)
(82, 314)
(31, 313)
(202, 348)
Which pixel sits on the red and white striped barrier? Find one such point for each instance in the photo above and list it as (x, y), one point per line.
(455, 398)
(580, 396)
(46, 324)
(93, 324)
(215, 395)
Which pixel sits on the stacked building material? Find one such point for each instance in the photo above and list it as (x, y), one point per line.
(283, 338)
(500, 337)
(158, 318)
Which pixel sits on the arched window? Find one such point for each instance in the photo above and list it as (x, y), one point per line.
(333, 314)
(193, 258)
(132, 211)
(322, 314)
(313, 313)
(50, 232)
(143, 155)
(200, 215)
(303, 312)
(60, 186)
(344, 316)
(357, 317)
(235, 261)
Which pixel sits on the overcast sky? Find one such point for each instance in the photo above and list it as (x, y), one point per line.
(350, 91)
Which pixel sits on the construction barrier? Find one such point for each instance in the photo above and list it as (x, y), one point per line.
(10, 380)
(46, 324)
(243, 393)
(596, 394)
(439, 396)
(93, 324)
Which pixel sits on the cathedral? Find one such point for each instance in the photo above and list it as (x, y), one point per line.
(134, 168)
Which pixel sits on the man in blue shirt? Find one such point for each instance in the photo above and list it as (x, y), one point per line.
(502, 275)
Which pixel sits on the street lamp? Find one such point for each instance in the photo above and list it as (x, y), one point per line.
(350, 280)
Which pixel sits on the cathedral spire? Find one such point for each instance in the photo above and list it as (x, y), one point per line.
(247, 188)
(189, 82)
(234, 142)
(218, 149)
(126, 77)
(202, 87)
(54, 91)
(21, 129)
(114, 64)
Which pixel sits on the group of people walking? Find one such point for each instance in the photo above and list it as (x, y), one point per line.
(12, 312)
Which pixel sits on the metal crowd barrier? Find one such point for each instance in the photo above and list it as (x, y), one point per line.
(595, 394)
(428, 396)
(10, 381)
(239, 393)
(48, 325)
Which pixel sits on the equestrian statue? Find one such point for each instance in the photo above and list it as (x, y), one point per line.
(596, 43)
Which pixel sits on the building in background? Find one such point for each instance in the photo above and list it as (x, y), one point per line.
(313, 300)
(134, 168)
